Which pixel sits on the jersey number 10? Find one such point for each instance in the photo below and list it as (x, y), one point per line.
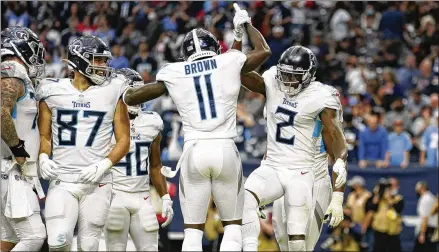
(201, 98)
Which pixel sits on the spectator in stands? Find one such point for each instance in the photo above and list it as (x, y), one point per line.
(384, 214)
(278, 44)
(351, 134)
(392, 22)
(398, 112)
(427, 223)
(425, 77)
(421, 124)
(86, 27)
(407, 74)
(415, 102)
(372, 145)
(70, 33)
(429, 146)
(340, 22)
(119, 61)
(16, 15)
(399, 146)
(346, 236)
(106, 33)
(144, 60)
(434, 104)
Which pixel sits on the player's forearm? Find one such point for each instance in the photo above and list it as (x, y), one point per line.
(258, 41)
(424, 221)
(9, 134)
(134, 96)
(45, 144)
(120, 149)
(159, 180)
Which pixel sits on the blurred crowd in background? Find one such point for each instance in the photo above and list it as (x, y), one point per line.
(382, 56)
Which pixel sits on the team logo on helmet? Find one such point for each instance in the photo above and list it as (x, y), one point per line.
(20, 34)
(75, 46)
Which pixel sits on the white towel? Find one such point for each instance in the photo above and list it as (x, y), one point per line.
(17, 203)
(167, 171)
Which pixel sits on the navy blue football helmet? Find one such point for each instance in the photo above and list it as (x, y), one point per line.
(85, 50)
(296, 69)
(23, 43)
(199, 44)
(134, 79)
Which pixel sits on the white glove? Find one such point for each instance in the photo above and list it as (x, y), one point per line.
(340, 169)
(335, 210)
(94, 172)
(47, 167)
(167, 209)
(241, 17)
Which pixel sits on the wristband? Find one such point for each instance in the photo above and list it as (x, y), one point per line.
(19, 150)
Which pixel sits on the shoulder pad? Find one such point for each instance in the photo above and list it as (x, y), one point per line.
(50, 86)
(14, 69)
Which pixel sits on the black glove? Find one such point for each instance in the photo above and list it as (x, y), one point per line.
(19, 150)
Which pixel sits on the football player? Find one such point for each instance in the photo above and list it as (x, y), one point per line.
(299, 109)
(322, 191)
(205, 88)
(22, 58)
(131, 210)
(77, 119)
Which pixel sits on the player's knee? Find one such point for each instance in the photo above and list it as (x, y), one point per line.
(297, 245)
(232, 240)
(89, 244)
(58, 242)
(150, 242)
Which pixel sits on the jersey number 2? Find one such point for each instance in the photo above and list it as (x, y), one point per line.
(290, 122)
(209, 94)
(71, 126)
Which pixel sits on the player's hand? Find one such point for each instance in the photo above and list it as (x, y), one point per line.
(47, 167)
(94, 172)
(340, 169)
(241, 17)
(167, 210)
(334, 214)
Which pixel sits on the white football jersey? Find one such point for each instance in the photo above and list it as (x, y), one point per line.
(131, 174)
(24, 113)
(206, 93)
(82, 122)
(293, 124)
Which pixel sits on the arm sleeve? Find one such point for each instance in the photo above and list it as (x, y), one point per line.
(361, 146)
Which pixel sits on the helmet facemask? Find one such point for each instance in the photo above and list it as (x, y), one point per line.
(35, 62)
(292, 81)
(135, 109)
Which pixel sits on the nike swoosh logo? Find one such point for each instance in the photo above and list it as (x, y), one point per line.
(145, 198)
(303, 173)
(6, 68)
(101, 185)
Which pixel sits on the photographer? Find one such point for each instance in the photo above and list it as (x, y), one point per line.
(346, 237)
(384, 209)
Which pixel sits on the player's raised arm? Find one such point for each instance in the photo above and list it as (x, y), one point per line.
(134, 96)
(121, 133)
(159, 180)
(261, 51)
(12, 89)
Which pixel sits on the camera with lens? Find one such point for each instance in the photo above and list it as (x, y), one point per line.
(383, 184)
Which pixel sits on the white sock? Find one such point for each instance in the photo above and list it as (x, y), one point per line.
(250, 223)
(297, 245)
(193, 239)
(232, 239)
